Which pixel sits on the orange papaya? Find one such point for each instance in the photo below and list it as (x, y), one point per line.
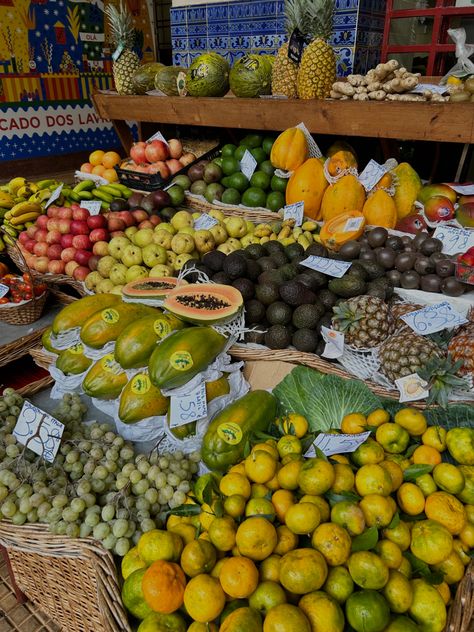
(380, 210)
(347, 194)
(336, 232)
(307, 184)
(290, 150)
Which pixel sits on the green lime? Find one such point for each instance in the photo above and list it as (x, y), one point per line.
(228, 150)
(260, 179)
(267, 166)
(278, 184)
(230, 165)
(275, 201)
(254, 197)
(225, 181)
(231, 196)
(268, 144)
(258, 154)
(238, 181)
(218, 161)
(252, 140)
(239, 152)
(132, 595)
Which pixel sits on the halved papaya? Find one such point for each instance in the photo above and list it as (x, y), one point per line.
(152, 287)
(204, 303)
(345, 227)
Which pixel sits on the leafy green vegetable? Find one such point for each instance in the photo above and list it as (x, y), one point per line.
(323, 399)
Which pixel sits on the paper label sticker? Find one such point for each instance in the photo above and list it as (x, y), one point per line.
(110, 315)
(334, 343)
(181, 360)
(331, 267)
(372, 174)
(294, 211)
(337, 443)
(205, 222)
(4, 289)
(455, 240)
(352, 224)
(77, 349)
(295, 46)
(110, 365)
(412, 388)
(93, 206)
(187, 408)
(181, 84)
(54, 195)
(140, 384)
(433, 318)
(248, 164)
(230, 432)
(38, 431)
(161, 327)
(158, 136)
(432, 87)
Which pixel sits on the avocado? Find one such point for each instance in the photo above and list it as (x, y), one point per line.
(294, 250)
(253, 269)
(257, 337)
(278, 337)
(359, 270)
(349, 285)
(267, 263)
(307, 316)
(255, 251)
(307, 280)
(221, 277)
(382, 288)
(295, 293)
(254, 312)
(279, 313)
(194, 264)
(316, 249)
(374, 270)
(288, 271)
(235, 266)
(318, 277)
(327, 298)
(279, 258)
(214, 260)
(245, 287)
(270, 276)
(273, 246)
(305, 340)
(267, 293)
(325, 321)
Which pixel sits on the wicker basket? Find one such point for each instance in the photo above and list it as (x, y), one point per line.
(23, 313)
(257, 216)
(74, 581)
(18, 348)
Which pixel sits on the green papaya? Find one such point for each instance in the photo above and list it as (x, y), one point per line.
(72, 361)
(226, 436)
(75, 314)
(183, 355)
(105, 379)
(135, 344)
(106, 325)
(46, 341)
(141, 399)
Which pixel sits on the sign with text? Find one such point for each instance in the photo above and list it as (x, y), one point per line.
(38, 431)
(248, 164)
(455, 240)
(337, 443)
(372, 174)
(187, 408)
(294, 211)
(93, 206)
(331, 267)
(205, 222)
(433, 318)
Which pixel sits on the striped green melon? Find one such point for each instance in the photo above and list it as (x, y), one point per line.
(251, 76)
(166, 80)
(208, 76)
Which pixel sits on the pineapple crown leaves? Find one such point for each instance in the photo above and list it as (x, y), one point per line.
(312, 17)
(121, 25)
(345, 316)
(442, 379)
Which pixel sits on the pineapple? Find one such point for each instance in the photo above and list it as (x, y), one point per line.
(402, 309)
(440, 375)
(285, 70)
(123, 36)
(317, 71)
(461, 346)
(405, 353)
(365, 321)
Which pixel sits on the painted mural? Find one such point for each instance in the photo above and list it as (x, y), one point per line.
(53, 54)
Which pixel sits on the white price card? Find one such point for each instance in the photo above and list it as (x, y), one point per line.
(462, 189)
(432, 87)
(205, 222)
(38, 431)
(93, 206)
(433, 318)
(187, 408)
(412, 388)
(158, 136)
(337, 443)
(54, 195)
(294, 211)
(352, 224)
(334, 343)
(372, 174)
(331, 267)
(248, 164)
(4, 289)
(455, 240)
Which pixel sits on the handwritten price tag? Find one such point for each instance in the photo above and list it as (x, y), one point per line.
(372, 174)
(294, 211)
(454, 240)
(158, 136)
(93, 206)
(4, 289)
(205, 222)
(54, 195)
(337, 444)
(248, 164)
(331, 267)
(334, 343)
(412, 388)
(433, 318)
(188, 408)
(352, 224)
(38, 431)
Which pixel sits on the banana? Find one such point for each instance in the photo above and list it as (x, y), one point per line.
(40, 196)
(85, 195)
(303, 241)
(286, 241)
(111, 189)
(309, 236)
(102, 195)
(273, 237)
(27, 217)
(6, 200)
(3, 212)
(15, 184)
(126, 192)
(309, 225)
(297, 232)
(12, 232)
(28, 224)
(45, 184)
(27, 190)
(70, 194)
(263, 232)
(25, 207)
(84, 185)
(8, 239)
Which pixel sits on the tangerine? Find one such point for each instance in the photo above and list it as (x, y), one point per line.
(400, 535)
(293, 424)
(260, 507)
(320, 502)
(286, 618)
(339, 584)
(288, 474)
(270, 568)
(367, 611)
(198, 556)
(431, 542)
(158, 622)
(234, 505)
(378, 417)
(289, 444)
(204, 598)
(353, 423)
(316, 476)
(302, 518)
(410, 499)
(287, 540)
(447, 510)
(435, 437)
(132, 595)
(412, 420)
(322, 611)
(427, 484)
(389, 552)
(256, 538)
(235, 483)
(394, 471)
(282, 500)
(426, 455)
(159, 545)
(349, 515)
(373, 479)
(238, 577)
(452, 568)
(344, 481)
(444, 591)
(378, 510)
(397, 591)
(333, 541)
(303, 571)
(131, 562)
(368, 570)
(266, 596)
(427, 608)
(267, 447)
(163, 586)
(367, 453)
(449, 478)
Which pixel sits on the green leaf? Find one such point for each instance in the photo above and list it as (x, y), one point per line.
(421, 569)
(334, 498)
(414, 471)
(209, 491)
(395, 521)
(185, 510)
(366, 540)
(323, 399)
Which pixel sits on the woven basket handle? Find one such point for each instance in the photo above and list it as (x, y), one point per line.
(27, 267)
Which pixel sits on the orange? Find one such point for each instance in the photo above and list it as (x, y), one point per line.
(260, 507)
(470, 513)
(368, 452)
(86, 167)
(302, 518)
(110, 175)
(208, 514)
(368, 570)
(204, 598)
(270, 568)
(340, 458)
(159, 545)
(427, 608)
(349, 515)
(287, 540)
(467, 536)
(199, 556)
(289, 444)
(373, 479)
(435, 437)
(449, 478)
(333, 541)
(267, 596)
(187, 532)
(410, 499)
(400, 535)
(267, 447)
(389, 552)
(353, 423)
(395, 472)
(426, 455)
(397, 592)
(288, 474)
(163, 586)
(157, 621)
(98, 170)
(222, 533)
(431, 541)
(260, 466)
(444, 591)
(216, 571)
(412, 420)
(426, 483)
(392, 437)
(399, 459)
(238, 468)
(132, 595)
(202, 627)
(452, 568)
(316, 476)
(367, 611)
(282, 500)
(238, 577)
(378, 417)
(321, 503)
(234, 483)
(462, 550)
(234, 505)
(243, 618)
(302, 571)
(110, 159)
(339, 584)
(256, 538)
(344, 481)
(96, 157)
(273, 483)
(405, 567)
(259, 490)
(286, 618)
(293, 424)
(323, 612)
(447, 510)
(131, 562)
(378, 510)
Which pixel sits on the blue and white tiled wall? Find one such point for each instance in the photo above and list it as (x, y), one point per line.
(237, 27)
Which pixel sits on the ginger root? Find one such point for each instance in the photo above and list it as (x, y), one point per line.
(343, 88)
(377, 95)
(356, 80)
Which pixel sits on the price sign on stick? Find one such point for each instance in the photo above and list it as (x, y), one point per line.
(372, 174)
(337, 444)
(433, 318)
(248, 164)
(294, 211)
(3, 290)
(54, 195)
(205, 222)
(455, 240)
(331, 267)
(38, 431)
(93, 206)
(158, 136)
(187, 408)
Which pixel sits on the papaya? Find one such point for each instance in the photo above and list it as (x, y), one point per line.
(224, 443)
(242, 620)
(72, 361)
(141, 399)
(107, 324)
(105, 379)
(341, 161)
(347, 194)
(337, 231)
(307, 184)
(380, 210)
(75, 314)
(407, 188)
(184, 354)
(135, 344)
(46, 341)
(204, 303)
(290, 149)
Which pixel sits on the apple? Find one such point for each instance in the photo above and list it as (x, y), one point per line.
(182, 243)
(96, 221)
(146, 224)
(170, 257)
(439, 209)
(235, 243)
(135, 272)
(104, 286)
(204, 241)
(92, 281)
(156, 150)
(143, 237)
(54, 251)
(52, 211)
(41, 249)
(52, 224)
(105, 266)
(41, 235)
(174, 166)
(225, 248)
(80, 214)
(65, 213)
(248, 239)
(236, 227)
(182, 219)
(132, 256)
(41, 221)
(117, 233)
(82, 257)
(30, 244)
(153, 255)
(127, 217)
(82, 242)
(163, 238)
(137, 152)
(155, 220)
(41, 264)
(23, 237)
(68, 254)
(167, 226)
(79, 227)
(162, 168)
(139, 215)
(188, 230)
(100, 248)
(117, 245)
(56, 267)
(219, 233)
(187, 158)
(31, 230)
(80, 273)
(53, 237)
(161, 271)
(70, 267)
(66, 240)
(116, 223)
(64, 226)
(175, 148)
(98, 234)
(93, 262)
(181, 260)
(118, 274)
(130, 231)
(216, 214)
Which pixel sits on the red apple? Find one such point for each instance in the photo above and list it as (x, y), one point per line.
(68, 254)
(137, 152)
(41, 221)
(31, 230)
(80, 214)
(70, 267)
(56, 267)
(54, 251)
(52, 223)
(175, 148)
(155, 219)
(66, 240)
(41, 264)
(127, 217)
(79, 227)
(23, 237)
(80, 273)
(99, 234)
(30, 260)
(82, 257)
(163, 169)
(93, 262)
(118, 233)
(156, 150)
(96, 221)
(82, 242)
(100, 248)
(439, 209)
(145, 224)
(116, 224)
(64, 226)
(75, 206)
(53, 237)
(187, 159)
(65, 213)
(30, 244)
(41, 234)
(174, 165)
(40, 249)
(139, 215)
(52, 211)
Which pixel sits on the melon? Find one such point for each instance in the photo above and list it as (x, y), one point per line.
(208, 76)
(144, 77)
(151, 288)
(204, 303)
(166, 80)
(251, 76)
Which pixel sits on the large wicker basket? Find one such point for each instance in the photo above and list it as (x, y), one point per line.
(258, 215)
(23, 313)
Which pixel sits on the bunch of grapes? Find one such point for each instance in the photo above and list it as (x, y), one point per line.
(70, 412)
(98, 486)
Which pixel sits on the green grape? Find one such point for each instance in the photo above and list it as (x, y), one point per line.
(97, 453)
(147, 525)
(65, 448)
(143, 466)
(173, 480)
(43, 509)
(131, 529)
(69, 515)
(179, 498)
(160, 480)
(73, 456)
(3, 492)
(39, 487)
(54, 515)
(162, 498)
(120, 527)
(193, 468)
(121, 482)
(142, 503)
(105, 427)
(101, 531)
(122, 513)
(155, 509)
(109, 437)
(108, 513)
(77, 468)
(19, 518)
(163, 462)
(24, 490)
(122, 547)
(128, 468)
(98, 486)
(25, 505)
(112, 454)
(151, 495)
(168, 492)
(32, 516)
(118, 442)
(100, 473)
(153, 472)
(111, 466)
(92, 519)
(89, 467)
(78, 505)
(73, 530)
(89, 499)
(174, 466)
(136, 536)
(109, 542)
(140, 487)
(59, 501)
(3, 406)
(185, 466)
(184, 486)
(127, 453)
(8, 508)
(83, 487)
(135, 476)
(85, 531)
(142, 514)
(85, 445)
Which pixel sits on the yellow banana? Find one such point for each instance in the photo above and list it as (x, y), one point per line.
(27, 190)
(273, 237)
(8, 239)
(297, 232)
(15, 184)
(6, 200)
(285, 232)
(309, 236)
(25, 207)
(10, 230)
(21, 219)
(317, 239)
